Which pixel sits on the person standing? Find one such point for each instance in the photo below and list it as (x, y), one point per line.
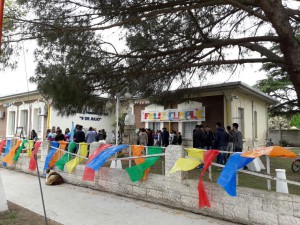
(149, 137)
(143, 137)
(210, 138)
(59, 135)
(165, 137)
(230, 139)
(33, 135)
(174, 138)
(221, 143)
(90, 135)
(199, 137)
(237, 138)
(179, 138)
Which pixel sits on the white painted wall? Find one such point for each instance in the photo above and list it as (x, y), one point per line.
(9, 132)
(106, 122)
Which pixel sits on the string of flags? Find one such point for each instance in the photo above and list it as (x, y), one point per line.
(139, 172)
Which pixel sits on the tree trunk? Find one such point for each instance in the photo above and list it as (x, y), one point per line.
(289, 45)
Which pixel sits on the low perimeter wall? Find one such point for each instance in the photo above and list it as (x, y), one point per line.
(249, 207)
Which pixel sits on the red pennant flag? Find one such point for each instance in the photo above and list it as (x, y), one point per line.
(209, 156)
(3, 142)
(32, 165)
(89, 174)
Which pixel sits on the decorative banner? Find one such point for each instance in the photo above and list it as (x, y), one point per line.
(174, 115)
(10, 155)
(272, 151)
(137, 151)
(83, 151)
(17, 155)
(29, 150)
(195, 156)
(52, 151)
(58, 154)
(209, 157)
(100, 159)
(227, 178)
(137, 172)
(2, 145)
(7, 147)
(66, 157)
(89, 174)
(32, 164)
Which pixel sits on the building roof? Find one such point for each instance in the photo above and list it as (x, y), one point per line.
(19, 95)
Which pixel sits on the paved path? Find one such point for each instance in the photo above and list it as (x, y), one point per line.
(74, 205)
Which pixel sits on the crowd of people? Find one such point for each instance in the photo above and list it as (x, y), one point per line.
(80, 134)
(148, 137)
(229, 140)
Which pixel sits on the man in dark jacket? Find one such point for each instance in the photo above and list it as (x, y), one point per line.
(79, 136)
(210, 138)
(199, 137)
(165, 137)
(221, 142)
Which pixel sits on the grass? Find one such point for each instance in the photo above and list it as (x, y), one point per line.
(245, 180)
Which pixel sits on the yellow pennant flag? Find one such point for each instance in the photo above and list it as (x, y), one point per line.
(196, 156)
(10, 155)
(83, 150)
(29, 150)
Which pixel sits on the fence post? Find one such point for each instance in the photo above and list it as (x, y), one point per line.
(268, 172)
(3, 201)
(174, 152)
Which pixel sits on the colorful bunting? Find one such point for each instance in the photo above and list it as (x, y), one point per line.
(227, 178)
(89, 174)
(7, 148)
(272, 151)
(136, 173)
(32, 164)
(10, 155)
(66, 157)
(137, 151)
(100, 159)
(54, 144)
(83, 151)
(209, 157)
(58, 154)
(17, 155)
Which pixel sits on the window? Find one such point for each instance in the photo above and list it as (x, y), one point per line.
(255, 124)
(241, 120)
(154, 125)
(24, 121)
(12, 123)
(188, 128)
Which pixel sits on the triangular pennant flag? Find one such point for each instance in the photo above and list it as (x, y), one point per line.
(29, 150)
(7, 148)
(32, 164)
(17, 155)
(100, 159)
(136, 173)
(137, 151)
(54, 144)
(88, 173)
(58, 154)
(10, 155)
(184, 164)
(66, 157)
(209, 157)
(227, 178)
(83, 151)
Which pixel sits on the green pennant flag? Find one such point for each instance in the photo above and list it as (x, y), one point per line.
(66, 157)
(136, 173)
(17, 155)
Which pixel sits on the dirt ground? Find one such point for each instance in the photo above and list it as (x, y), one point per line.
(18, 215)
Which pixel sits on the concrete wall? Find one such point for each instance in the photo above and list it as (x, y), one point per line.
(250, 207)
(291, 136)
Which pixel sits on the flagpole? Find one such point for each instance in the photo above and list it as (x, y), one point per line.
(1, 20)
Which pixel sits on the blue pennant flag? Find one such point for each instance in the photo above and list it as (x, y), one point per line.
(52, 151)
(227, 178)
(7, 148)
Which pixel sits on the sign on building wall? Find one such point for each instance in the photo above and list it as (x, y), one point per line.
(173, 115)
